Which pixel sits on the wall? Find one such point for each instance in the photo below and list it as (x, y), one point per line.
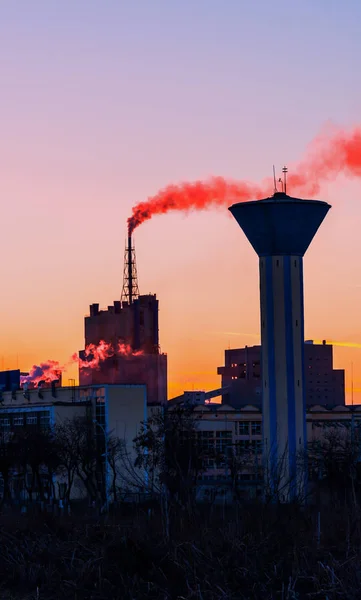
(135, 324)
(147, 369)
(126, 409)
(241, 371)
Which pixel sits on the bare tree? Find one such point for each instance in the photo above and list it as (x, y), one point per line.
(37, 457)
(115, 453)
(168, 450)
(79, 454)
(334, 463)
(66, 436)
(8, 458)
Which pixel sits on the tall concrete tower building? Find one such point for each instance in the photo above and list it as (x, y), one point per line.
(280, 229)
(132, 321)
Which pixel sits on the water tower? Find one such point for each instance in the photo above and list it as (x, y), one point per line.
(280, 229)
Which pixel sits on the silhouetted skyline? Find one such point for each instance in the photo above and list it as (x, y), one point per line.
(103, 104)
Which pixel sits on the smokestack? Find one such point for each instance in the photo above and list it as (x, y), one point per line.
(280, 229)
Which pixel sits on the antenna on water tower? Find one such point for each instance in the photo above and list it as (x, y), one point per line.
(274, 180)
(285, 171)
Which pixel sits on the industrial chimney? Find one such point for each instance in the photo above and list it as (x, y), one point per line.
(280, 229)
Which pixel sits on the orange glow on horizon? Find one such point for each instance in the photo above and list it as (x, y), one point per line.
(339, 344)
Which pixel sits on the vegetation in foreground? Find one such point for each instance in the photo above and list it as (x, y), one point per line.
(263, 553)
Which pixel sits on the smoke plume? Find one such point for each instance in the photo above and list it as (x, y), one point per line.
(328, 156)
(95, 355)
(51, 370)
(47, 372)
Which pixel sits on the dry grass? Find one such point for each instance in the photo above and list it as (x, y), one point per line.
(259, 553)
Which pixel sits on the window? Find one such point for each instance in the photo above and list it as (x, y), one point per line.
(223, 441)
(18, 420)
(206, 440)
(100, 412)
(243, 428)
(257, 445)
(253, 446)
(44, 419)
(209, 463)
(32, 419)
(256, 427)
(242, 446)
(5, 422)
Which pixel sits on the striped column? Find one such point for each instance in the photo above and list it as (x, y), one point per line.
(284, 410)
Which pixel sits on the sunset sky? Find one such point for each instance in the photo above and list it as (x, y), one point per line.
(104, 102)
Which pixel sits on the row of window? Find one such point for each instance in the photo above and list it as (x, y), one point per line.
(242, 477)
(254, 375)
(317, 358)
(249, 445)
(244, 427)
(41, 418)
(240, 428)
(254, 364)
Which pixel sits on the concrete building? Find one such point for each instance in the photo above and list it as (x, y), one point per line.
(134, 323)
(241, 375)
(13, 380)
(118, 411)
(135, 326)
(221, 427)
(280, 229)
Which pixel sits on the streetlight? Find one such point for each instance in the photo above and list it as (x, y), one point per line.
(106, 462)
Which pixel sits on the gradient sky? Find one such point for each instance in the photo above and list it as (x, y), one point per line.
(104, 102)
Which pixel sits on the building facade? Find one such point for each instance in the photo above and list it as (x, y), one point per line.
(113, 411)
(223, 429)
(136, 326)
(119, 410)
(241, 375)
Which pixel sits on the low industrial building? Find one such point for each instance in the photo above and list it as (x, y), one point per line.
(115, 410)
(220, 426)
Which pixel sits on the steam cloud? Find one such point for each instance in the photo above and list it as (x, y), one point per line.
(328, 155)
(94, 355)
(46, 371)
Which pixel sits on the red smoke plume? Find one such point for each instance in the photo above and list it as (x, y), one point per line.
(328, 156)
(98, 354)
(51, 370)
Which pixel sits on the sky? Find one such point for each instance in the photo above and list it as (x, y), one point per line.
(104, 102)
